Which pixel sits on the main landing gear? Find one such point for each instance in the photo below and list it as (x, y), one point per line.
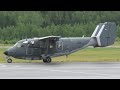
(47, 60)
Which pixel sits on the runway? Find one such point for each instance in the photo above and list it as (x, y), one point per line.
(60, 70)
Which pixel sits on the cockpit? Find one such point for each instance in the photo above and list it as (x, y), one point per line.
(31, 43)
(21, 44)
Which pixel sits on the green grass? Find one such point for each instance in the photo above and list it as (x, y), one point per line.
(93, 55)
(84, 55)
(116, 44)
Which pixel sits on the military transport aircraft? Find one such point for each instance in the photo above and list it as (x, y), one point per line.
(44, 48)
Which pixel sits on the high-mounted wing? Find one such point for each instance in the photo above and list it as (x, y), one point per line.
(50, 37)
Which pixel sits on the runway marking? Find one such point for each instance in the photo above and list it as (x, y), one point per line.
(8, 67)
(81, 72)
(3, 65)
(15, 67)
(76, 68)
(90, 67)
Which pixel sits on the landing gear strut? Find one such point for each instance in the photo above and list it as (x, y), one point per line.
(47, 60)
(9, 60)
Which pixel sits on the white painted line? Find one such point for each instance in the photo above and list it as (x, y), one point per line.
(8, 67)
(93, 35)
(3, 65)
(66, 71)
(81, 67)
(90, 67)
(98, 35)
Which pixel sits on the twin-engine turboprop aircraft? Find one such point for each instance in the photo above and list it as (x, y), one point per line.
(45, 48)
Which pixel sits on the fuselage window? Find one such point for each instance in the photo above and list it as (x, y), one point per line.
(59, 45)
(42, 44)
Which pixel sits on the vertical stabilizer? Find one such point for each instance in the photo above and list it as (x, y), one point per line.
(105, 34)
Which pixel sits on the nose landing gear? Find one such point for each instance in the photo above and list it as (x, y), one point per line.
(9, 60)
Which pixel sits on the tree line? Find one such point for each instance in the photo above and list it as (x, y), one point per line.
(16, 25)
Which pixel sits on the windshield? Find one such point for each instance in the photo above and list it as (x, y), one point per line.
(24, 42)
(20, 44)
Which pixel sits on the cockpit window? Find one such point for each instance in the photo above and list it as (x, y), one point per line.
(19, 44)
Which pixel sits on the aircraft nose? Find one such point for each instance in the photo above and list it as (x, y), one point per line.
(6, 52)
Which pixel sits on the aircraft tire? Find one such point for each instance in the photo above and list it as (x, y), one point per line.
(48, 59)
(9, 60)
(44, 60)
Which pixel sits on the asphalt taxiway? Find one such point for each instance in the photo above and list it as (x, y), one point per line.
(60, 70)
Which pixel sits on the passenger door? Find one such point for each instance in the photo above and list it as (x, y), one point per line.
(29, 50)
(59, 45)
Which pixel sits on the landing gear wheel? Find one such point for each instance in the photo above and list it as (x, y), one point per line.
(47, 60)
(9, 60)
(44, 60)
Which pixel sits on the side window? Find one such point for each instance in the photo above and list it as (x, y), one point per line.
(36, 44)
(42, 44)
(59, 45)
